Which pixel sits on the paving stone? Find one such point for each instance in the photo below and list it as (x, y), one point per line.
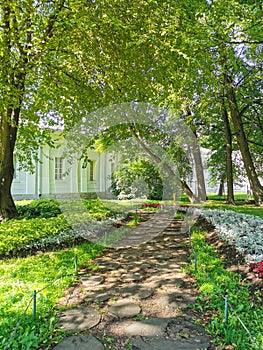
(144, 293)
(136, 273)
(145, 266)
(163, 256)
(164, 344)
(84, 342)
(181, 301)
(124, 308)
(146, 328)
(167, 334)
(188, 333)
(129, 290)
(91, 281)
(131, 277)
(133, 268)
(113, 279)
(79, 319)
(97, 297)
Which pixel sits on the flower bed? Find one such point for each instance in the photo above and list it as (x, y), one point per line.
(243, 231)
(150, 205)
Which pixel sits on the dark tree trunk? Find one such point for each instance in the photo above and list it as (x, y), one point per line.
(252, 175)
(229, 163)
(221, 187)
(8, 134)
(7, 205)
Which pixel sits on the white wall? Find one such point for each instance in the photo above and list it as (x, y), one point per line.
(76, 179)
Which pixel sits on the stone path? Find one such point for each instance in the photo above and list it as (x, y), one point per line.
(139, 297)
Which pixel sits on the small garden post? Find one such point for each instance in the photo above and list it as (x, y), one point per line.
(34, 304)
(226, 309)
(76, 263)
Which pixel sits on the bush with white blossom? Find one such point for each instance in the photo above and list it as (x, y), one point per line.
(243, 231)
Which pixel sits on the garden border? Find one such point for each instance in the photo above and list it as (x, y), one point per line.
(227, 304)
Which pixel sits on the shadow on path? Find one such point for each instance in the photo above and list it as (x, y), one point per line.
(139, 297)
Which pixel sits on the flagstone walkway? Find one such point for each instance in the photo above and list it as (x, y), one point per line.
(139, 297)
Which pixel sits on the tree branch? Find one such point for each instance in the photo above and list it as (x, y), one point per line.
(253, 42)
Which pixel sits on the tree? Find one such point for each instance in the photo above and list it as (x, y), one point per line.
(167, 151)
(229, 150)
(38, 74)
(62, 59)
(228, 51)
(234, 61)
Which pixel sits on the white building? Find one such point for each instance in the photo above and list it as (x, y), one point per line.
(54, 176)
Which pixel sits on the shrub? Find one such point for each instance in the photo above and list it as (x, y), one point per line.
(43, 227)
(16, 234)
(44, 208)
(137, 179)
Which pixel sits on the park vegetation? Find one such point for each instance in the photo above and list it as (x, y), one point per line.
(62, 60)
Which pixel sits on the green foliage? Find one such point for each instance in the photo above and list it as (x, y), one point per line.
(137, 179)
(44, 208)
(18, 233)
(215, 281)
(44, 227)
(100, 210)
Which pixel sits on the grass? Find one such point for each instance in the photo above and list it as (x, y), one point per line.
(49, 272)
(242, 204)
(215, 281)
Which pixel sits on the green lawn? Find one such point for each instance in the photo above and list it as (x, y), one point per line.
(48, 272)
(242, 204)
(51, 272)
(215, 281)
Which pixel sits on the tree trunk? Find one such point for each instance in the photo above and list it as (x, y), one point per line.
(221, 187)
(14, 72)
(255, 184)
(229, 163)
(191, 196)
(7, 143)
(199, 169)
(7, 205)
(187, 190)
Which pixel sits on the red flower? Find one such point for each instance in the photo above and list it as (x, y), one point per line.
(151, 205)
(257, 268)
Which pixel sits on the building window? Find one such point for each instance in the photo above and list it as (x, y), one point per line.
(58, 168)
(92, 170)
